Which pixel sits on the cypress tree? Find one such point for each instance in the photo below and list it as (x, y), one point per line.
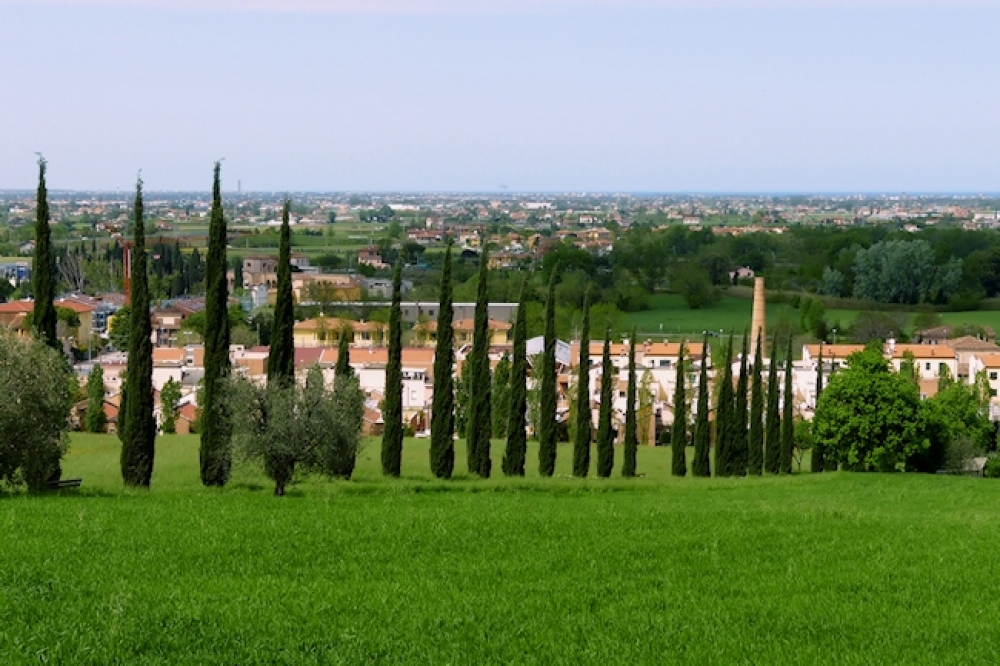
(392, 411)
(581, 440)
(517, 438)
(481, 388)
(829, 462)
(678, 431)
(215, 454)
(281, 359)
(500, 409)
(818, 461)
(772, 452)
(738, 440)
(343, 367)
(139, 426)
(724, 415)
(631, 437)
(787, 420)
(43, 279)
(605, 432)
(755, 450)
(547, 399)
(96, 419)
(701, 466)
(443, 409)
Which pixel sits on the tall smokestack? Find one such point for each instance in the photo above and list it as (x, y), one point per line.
(758, 323)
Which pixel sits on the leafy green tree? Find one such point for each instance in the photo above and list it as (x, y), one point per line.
(43, 279)
(442, 450)
(865, 418)
(392, 412)
(517, 443)
(701, 465)
(501, 397)
(678, 432)
(631, 439)
(724, 416)
(738, 442)
(281, 359)
(33, 427)
(772, 440)
(583, 434)
(817, 462)
(138, 426)
(787, 416)
(605, 431)
(547, 399)
(956, 423)
(480, 389)
(755, 451)
(97, 420)
(170, 396)
(215, 424)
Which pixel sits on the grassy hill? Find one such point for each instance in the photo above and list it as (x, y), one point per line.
(836, 568)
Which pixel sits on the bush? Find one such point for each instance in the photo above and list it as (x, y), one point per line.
(36, 388)
(992, 469)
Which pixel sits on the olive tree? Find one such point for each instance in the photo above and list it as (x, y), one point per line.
(36, 384)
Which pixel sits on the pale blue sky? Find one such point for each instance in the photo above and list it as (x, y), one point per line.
(549, 95)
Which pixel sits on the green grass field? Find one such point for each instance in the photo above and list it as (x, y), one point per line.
(836, 568)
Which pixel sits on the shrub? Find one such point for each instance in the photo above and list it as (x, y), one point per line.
(992, 469)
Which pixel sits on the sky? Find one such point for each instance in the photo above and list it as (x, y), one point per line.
(503, 95)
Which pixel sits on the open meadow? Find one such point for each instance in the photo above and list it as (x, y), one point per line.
(836, 568)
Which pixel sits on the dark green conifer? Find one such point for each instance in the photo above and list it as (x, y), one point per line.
(829, 462)
(215, 453)
(701, 465)
(631, 444)
(738, 441)
(43, 279)
(443, 409)
(772, 442)
(755, 439)
(517, 437)
(547, 399)
(392, 410)
(343, 367)
(724, 415)
(96, 420)
(605, 430)
(787, 419)
(281, 358)
(138, 425)
(678, 431)
(481, 388)
(583, 434)
(818, 461)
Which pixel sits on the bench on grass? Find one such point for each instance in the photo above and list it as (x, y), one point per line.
(64, 483)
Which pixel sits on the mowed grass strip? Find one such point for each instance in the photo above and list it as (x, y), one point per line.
(805, 569)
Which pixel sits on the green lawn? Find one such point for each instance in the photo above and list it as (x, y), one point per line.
(835, 568)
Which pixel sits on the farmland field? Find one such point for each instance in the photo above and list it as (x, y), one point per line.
(835, 568)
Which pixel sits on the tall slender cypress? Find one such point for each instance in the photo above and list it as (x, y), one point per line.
(547, 399)
(517, 437)
(43, 280)
(392, 411)
(701, 465)
(583, 435)
(443, 409)
(724, 416)
(215, 453)
(772, 441)
(605, 432)
(631, 447)
(281, 358)
(343, 367)
(818, 461)
(787, 418)
(738, 450)
(829, 462)
(481, 389)
(138, 424)
(755, 439)
(678, 431)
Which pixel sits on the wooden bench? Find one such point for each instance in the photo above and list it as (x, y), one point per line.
(64, 483)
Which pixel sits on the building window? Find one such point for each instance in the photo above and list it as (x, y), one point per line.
(993, 375)
(927, 367)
